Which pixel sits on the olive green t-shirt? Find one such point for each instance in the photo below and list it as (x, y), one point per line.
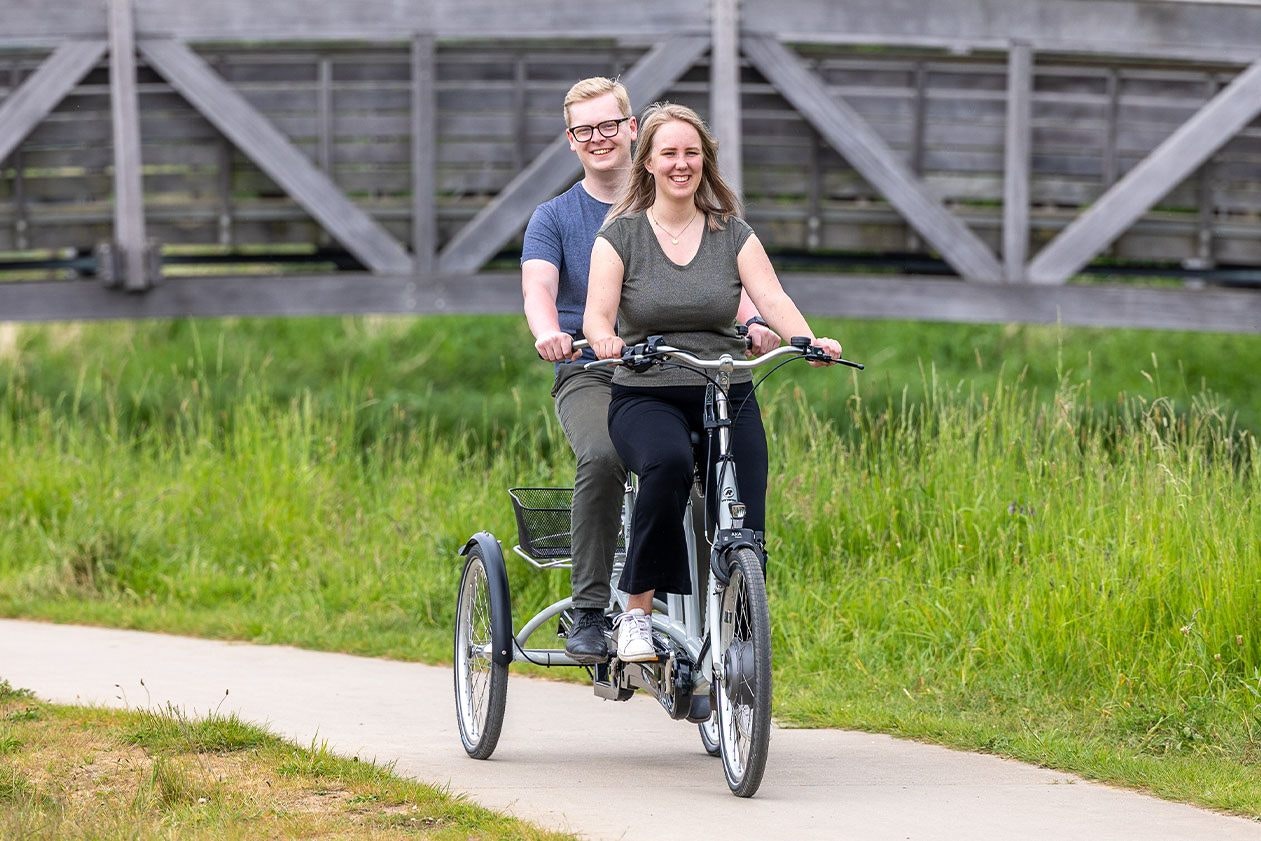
(693, 306)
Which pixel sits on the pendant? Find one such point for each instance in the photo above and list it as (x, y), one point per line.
(673, 241)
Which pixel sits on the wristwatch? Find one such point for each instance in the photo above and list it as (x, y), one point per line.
(757, 319)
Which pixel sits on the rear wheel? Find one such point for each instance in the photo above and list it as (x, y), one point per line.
(709, 736)
(481, 684)
(744, 680)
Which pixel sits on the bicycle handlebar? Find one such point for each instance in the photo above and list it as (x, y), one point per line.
(645, 353)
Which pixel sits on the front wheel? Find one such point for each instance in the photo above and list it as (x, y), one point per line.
(481, 683)
(744, 678)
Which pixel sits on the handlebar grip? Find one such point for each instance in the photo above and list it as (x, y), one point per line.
(578, 344)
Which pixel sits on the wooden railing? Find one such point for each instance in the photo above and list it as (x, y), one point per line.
(1022, 143)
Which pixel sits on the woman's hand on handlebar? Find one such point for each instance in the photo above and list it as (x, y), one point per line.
(762, 339)
(830, 346)
(609, 347)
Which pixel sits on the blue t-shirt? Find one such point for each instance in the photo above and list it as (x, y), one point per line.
(562, 232)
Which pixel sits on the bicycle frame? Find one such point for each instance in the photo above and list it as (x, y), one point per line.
(711, 663)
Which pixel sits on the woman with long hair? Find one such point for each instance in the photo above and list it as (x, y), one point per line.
(672, 260)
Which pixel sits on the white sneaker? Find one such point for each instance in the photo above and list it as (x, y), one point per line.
(634, 637)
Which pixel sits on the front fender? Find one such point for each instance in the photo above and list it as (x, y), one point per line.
(500, 600)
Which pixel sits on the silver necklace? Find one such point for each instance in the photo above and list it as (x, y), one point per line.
(674, 239)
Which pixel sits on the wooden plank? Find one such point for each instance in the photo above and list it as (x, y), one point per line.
(724, 96)
(19, 176)
(830, 295)
(1204, 199)
(38, 21)
(919, 131)
(289, 296)
(518, 114)
(1186, 149)
(424, 144)
(854, 138)
(130, 242)
(275, 155)
(324, 109)
(35, 99)
(1103, 305)
(1211, 31)
(557, 166)
(814, 192)
(1224, 32)
(223, 183)
(1019, 156)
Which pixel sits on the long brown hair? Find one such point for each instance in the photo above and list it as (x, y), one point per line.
(713, 196)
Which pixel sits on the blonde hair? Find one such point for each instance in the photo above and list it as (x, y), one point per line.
(713, 196)
(598, 86)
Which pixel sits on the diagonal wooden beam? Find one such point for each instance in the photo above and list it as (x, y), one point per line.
(254, 135)
(27, 106)
(1193, 143)
(867, 152)
(556, 166)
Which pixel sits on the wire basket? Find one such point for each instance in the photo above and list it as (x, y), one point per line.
(543, 521)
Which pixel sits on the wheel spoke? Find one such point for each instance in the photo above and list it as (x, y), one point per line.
(479, 680)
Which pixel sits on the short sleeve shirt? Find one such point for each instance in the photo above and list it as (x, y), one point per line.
(692, 306)
(562, 231)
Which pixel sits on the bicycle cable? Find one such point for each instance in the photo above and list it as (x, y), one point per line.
(735, 418)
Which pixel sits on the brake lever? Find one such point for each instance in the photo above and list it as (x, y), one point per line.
(636, 357)
(814, 353)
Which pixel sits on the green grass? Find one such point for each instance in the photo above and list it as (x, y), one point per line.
(170, 730)
(1035, 541)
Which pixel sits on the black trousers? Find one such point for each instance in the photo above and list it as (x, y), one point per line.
(650, 428)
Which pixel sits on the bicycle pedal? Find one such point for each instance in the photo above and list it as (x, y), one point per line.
(660, 658)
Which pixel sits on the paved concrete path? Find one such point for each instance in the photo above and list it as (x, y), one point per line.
(564, 752)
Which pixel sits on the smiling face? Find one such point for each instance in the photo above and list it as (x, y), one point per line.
(601, 154)
(677, 160)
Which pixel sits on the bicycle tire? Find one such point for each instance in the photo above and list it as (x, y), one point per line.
(481, 683)
(709, 736)
(744, 678)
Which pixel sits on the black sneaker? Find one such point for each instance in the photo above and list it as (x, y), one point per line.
(586, 642)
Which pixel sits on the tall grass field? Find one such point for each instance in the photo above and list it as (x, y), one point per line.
(1037, 541)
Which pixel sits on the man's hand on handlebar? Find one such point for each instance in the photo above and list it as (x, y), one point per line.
(556, 346)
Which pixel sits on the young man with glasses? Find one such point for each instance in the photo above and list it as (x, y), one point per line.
(555, 261)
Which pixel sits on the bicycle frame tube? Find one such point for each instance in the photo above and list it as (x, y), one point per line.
(680, 616)
(727, 494)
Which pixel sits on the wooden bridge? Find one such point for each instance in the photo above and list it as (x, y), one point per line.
(1023, 160)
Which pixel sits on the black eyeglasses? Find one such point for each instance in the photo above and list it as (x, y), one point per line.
(608, 128)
